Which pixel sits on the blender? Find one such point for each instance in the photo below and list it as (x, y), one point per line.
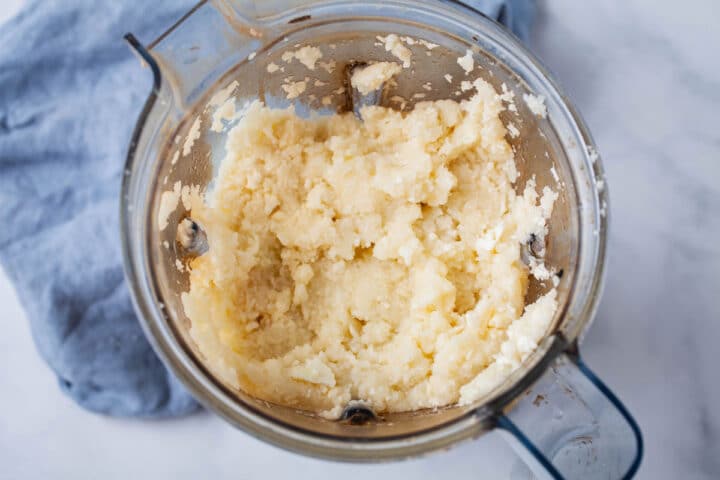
(563, 420)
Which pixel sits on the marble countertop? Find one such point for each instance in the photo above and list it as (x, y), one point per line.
(646, 77)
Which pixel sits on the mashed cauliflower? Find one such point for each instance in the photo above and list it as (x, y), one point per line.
(374, 259)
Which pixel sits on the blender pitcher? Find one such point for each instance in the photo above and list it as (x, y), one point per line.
(564, 419)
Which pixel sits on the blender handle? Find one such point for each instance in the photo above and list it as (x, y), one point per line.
(572, 426)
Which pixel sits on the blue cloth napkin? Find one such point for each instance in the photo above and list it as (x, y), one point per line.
(70, 92)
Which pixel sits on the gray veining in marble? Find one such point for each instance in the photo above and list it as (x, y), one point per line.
(646, 76)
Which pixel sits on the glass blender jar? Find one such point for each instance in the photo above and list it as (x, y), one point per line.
(566, 420)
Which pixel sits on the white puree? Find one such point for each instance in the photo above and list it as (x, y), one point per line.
(393, 44)
(307, 55)
(466, 62)
(536, 104)
(374, 259)
(370, 78)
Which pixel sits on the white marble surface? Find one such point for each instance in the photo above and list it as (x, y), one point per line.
(646, 76)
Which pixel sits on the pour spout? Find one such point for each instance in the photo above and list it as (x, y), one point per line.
(198, 49)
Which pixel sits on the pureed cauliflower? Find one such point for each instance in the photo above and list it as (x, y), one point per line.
(375, 260)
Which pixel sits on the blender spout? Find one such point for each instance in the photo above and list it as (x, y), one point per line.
(198, 49)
